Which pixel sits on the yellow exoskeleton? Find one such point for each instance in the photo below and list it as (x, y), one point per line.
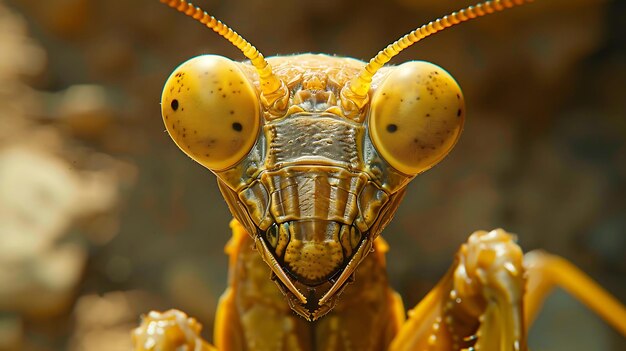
(313, 154)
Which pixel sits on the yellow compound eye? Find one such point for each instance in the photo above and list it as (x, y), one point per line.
(211, 111)
(416, 116)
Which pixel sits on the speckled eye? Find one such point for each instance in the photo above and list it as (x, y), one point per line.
(416, 116)
(211, 111)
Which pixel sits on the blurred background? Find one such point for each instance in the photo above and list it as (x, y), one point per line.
(102, 218)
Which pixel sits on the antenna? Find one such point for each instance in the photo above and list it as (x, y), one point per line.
(270, 84)
(356, 91)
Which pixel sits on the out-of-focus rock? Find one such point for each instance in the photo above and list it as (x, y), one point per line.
(11, 333)
(55, 195)
(103, 323)
(84, 111)
(38, 271)
(19, 54)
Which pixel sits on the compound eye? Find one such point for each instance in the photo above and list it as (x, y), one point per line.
(211, 111)
(416, 117)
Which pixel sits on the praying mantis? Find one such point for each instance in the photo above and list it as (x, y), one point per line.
(313, 154)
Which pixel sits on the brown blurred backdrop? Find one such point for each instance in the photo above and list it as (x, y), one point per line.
(102, 218)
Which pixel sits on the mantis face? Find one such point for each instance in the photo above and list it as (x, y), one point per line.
(313, 186)
(312, 152)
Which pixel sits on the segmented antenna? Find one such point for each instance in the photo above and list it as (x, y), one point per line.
(269, 82)
(360, 85)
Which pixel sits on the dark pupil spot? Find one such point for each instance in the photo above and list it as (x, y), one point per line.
(392, 128)
(174, 104)
(237, 127)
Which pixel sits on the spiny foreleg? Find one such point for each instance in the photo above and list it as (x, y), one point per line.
(477, 305)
